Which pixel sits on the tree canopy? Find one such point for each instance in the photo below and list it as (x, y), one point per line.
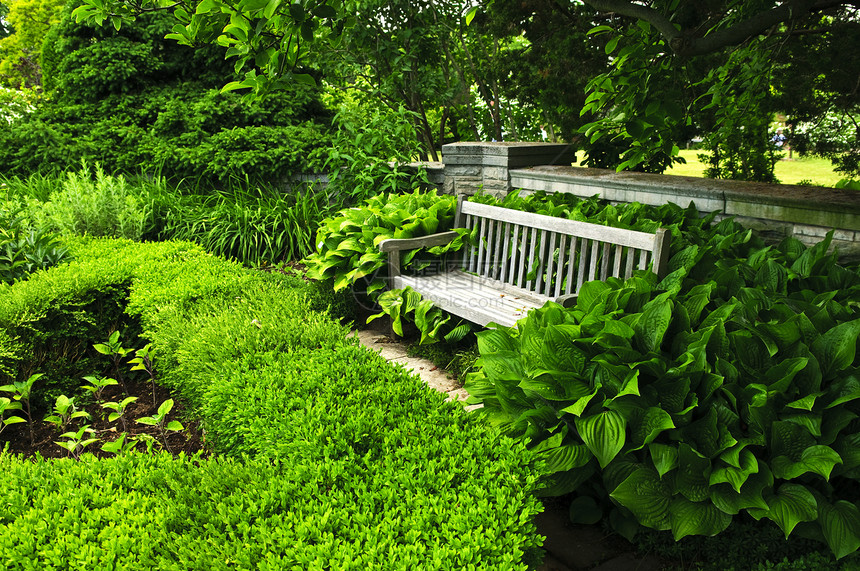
(23, 26)
(715, 68)
(671, 69)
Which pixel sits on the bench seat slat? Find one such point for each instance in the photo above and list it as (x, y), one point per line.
(462, 294)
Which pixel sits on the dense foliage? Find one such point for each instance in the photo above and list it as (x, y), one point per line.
(347, 244)
(25, 249)
(134, 102)
(728, 387)
(259, 225)
(28, 22)
(326, 454)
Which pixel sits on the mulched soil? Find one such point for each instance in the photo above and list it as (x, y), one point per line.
(189, 441)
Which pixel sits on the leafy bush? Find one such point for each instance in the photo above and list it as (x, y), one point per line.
(134, 102)
(329, 456)
(370, 156)
(347, 251)
(255, 225)
(25, 250)
(100, 206)
(729, 387)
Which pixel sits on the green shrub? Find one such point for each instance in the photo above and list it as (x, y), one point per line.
(134, 101)
(329, 456)
(370, 155)
(97, 204)
(683, 404)
(347, 251)
(25, 250)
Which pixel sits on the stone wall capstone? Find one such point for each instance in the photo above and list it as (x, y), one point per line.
(774, 210)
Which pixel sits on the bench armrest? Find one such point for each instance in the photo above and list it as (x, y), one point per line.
(396, 244)
(568, 300)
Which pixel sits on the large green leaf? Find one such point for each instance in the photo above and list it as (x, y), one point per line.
(578, 407)
(790, 440)
(647, 496)
(562, 483)
(604, 434)
(646, 424)
(736, 476)
(840, 524)
(816, 459)
(749, 497)
(589, 294)
(652, 326)
(836, 349)
(791, 504)
(559, 352)
(494, 341)
(846, 389)
(779, 378)
(503, 365)
(848, 447)
(664, 457)
(564, 457)
(692, 474)
(696, 518)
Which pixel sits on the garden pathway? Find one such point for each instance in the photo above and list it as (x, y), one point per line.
(395, 352)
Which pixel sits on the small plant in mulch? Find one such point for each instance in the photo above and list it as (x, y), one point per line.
(115, 414)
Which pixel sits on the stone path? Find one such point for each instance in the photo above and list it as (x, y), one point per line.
(395, 352)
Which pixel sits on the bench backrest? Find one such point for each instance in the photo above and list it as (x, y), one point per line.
(553, 256)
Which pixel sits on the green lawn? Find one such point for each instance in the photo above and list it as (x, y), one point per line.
(815, 169)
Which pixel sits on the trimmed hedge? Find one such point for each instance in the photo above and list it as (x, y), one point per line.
(328, 457)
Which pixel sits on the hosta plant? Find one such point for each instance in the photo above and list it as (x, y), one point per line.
(348, 244)
(433, 323)
(680, 405)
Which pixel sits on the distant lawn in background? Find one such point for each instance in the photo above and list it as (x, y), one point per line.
(815, 169)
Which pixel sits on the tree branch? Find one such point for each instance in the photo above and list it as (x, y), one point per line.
(644, 13)
(687, 43)
(742, 31)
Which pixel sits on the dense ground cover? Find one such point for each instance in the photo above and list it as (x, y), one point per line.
(324, 455)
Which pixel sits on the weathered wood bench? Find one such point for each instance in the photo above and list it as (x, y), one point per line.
(522, 260)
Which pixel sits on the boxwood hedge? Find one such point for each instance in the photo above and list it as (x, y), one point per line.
(327, 457)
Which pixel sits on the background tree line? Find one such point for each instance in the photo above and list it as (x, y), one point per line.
(625, 82)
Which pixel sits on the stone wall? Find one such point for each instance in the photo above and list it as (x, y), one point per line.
(776, 211)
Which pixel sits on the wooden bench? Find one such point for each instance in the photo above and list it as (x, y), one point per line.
(522, 260)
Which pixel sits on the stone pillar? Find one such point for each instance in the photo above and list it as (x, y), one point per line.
(473, 166)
